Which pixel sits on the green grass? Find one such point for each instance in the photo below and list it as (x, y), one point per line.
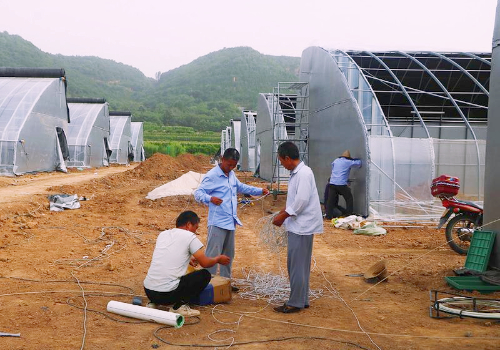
(175, 140)
(174, 148)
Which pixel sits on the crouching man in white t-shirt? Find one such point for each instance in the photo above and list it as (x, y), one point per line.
(166, 282)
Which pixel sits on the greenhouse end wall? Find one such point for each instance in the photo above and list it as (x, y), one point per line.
(335, 124)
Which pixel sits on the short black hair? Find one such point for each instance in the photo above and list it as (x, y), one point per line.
(288, 149)
(187, 216)
(231, 154)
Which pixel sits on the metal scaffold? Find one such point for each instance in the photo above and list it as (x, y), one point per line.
(290, 112)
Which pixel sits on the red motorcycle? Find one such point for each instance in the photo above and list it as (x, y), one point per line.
(468, 216)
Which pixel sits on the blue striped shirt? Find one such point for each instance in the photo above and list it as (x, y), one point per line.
(216, 183)
(341, 167)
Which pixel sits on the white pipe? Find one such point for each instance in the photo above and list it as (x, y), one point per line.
(145, 313)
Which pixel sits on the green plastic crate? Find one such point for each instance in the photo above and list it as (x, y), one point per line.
(471, 283)
(479, 252)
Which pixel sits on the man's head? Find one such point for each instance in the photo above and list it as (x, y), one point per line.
(230, 159)
(288, 154)
(188, 220)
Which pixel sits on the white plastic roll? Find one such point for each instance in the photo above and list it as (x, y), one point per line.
(145, 313)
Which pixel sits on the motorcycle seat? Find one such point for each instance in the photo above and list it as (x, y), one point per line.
(472, 204)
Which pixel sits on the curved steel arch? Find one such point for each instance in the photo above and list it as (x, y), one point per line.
(387, 126)
(386, 122)
(447, 59)
(403, 89)
(424, 67)
(456, 106)
(477, 57)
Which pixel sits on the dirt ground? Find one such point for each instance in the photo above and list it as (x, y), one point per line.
(49, 260)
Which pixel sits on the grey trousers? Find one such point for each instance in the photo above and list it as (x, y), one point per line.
(299, 268)
(220, 241)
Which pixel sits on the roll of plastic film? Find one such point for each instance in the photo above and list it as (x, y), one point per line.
(147, 314)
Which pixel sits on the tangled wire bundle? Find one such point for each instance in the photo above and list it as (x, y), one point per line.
(272, 236)
(275, 289)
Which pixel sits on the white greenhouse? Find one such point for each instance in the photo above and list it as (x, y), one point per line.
(122, 151)
(225, 140)
(247, 141)
(410, 117)
(88, 133)
(235, 133)
(138, 141)
(33, 120)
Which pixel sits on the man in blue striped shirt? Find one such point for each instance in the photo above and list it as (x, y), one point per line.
(218, 190)
(341, 167)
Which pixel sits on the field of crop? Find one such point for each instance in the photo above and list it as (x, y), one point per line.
(175, 140)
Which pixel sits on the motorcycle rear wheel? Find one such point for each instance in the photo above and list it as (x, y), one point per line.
(457, 241)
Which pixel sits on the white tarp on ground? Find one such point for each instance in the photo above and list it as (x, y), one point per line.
(184, 185)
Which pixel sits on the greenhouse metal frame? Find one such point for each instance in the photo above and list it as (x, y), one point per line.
(283, 116)
(270, 129)
(88, 133)
(410, 116)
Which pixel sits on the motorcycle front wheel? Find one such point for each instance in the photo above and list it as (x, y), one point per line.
(459, 233)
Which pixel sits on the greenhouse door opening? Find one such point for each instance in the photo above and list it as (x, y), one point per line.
(62, 149)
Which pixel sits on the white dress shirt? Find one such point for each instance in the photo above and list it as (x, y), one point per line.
(302, 203)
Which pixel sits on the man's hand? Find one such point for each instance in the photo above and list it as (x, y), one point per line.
(224, 259)
(265, 191)
(216, 200)
(193, 262)
(280, 218)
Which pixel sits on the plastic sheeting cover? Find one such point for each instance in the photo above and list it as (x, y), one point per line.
(18, 96)
(184, 185)
(83, 117)
(117, 128)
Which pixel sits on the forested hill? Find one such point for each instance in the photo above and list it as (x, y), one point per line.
(218, 83)
(123, 86)
(203, 94)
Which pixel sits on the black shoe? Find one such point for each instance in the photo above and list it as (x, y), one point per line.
(235, 289)
(287, 309)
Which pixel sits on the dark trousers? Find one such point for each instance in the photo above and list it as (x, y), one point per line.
(299, 253)
(190, 286)
(332, 205)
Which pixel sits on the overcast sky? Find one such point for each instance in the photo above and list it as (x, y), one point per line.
(159, 35)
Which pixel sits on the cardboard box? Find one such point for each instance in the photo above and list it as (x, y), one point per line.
(222, 289)
(217, 291)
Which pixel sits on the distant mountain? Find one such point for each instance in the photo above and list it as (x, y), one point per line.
(211, 87)
(235, 74)
(123, 86)
(203, 94)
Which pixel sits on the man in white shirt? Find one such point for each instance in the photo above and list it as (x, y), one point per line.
(302, 217)
(166, 281)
